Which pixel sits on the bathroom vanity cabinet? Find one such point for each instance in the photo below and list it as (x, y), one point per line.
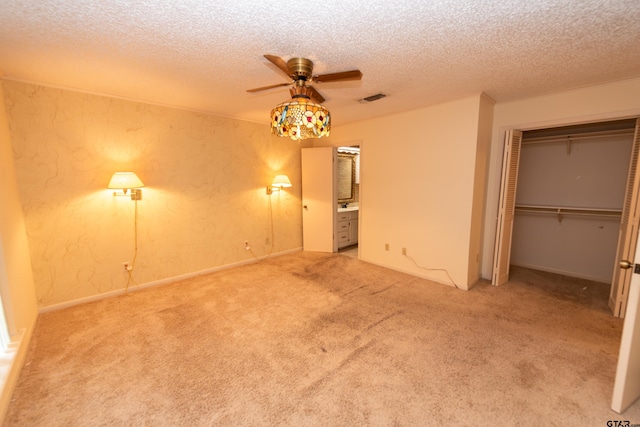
(347, 224)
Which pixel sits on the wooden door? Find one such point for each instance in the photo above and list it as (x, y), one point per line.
(506, 208)
(318, 198)
(628, 235)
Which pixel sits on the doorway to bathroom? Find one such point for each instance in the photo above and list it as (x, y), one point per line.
(348, 200)
(331, 199)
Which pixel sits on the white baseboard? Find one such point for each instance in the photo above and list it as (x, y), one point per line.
(441, 280)
(110, 294)
(11, 363)
(564, 273)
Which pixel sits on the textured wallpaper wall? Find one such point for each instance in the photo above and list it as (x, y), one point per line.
(205, 180)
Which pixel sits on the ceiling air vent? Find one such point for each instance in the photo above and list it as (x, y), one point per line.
(372, 98)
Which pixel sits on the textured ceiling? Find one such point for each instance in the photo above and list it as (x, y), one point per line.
(203, 55)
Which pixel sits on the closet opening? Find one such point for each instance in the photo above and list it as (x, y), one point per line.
(562, 207)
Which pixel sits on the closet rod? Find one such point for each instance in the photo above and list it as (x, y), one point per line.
(565, 138)
(561, 210)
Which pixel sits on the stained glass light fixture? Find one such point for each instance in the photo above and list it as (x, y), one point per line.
(300, 119)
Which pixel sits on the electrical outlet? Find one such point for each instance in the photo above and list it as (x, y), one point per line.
(404, 251)
(127, 266)
(386, 247)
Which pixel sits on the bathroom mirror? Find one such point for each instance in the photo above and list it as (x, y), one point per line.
(346, 177)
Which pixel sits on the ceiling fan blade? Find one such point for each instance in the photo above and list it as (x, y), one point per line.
(258, 89)
(315, 95)
(279, 62)
(344, 75)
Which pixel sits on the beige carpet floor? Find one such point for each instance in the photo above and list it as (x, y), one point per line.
(311, 339)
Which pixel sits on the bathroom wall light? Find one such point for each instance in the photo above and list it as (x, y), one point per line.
(279, 182)
(126, 181)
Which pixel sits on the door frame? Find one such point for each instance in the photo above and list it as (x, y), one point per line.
(523, 128)
(334, 148)
(354, 143)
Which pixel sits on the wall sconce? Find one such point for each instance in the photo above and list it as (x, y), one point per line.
(279, 182)
(125, 181)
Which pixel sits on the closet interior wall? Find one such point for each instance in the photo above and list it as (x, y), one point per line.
(570, 193)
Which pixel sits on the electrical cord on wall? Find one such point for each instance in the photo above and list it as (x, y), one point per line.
(135, 246)
(433, 269)
(272, 236)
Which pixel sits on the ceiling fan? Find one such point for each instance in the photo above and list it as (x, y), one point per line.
(300, 70)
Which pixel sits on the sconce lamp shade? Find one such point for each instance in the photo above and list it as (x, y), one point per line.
(125, 180)
(281, 181)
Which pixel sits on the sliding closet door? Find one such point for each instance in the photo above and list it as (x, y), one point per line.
(504, 229)
(626, 388)
(628, 234)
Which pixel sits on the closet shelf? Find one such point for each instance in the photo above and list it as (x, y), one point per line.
(561, 211)
(576, 137)
(570, 139)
